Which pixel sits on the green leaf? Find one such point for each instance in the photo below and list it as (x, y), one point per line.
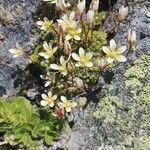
(48, 138)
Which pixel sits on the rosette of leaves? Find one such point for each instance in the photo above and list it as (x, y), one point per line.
(26, 124)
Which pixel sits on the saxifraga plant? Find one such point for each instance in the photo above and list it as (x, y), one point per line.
(73, 54)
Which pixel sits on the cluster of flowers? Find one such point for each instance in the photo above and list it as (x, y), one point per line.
(71, 28)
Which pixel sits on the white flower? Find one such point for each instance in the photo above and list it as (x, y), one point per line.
(131, 36)
(90, 16)
(17, 52)
(67, 104)
(45, 25)
(48, 79)
(83, 59)
(73, 33)
(113, 53)
(67, 21)
(81, 6)
(48, 99)
(62, 67)
(49, 50)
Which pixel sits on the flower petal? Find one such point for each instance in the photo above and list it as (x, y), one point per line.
(76, 37)
(89, 55)
(74, 104)
(40, 23)
(47, 83)
(72, 15)
(13, 51)
(62, 61)
(68, 37)
(44, 103)
(51, 104)
(105, 49)
(68, 109)
(55, 49)
(75, 57)
(113, 44)
(54, 66)
(89, 64)
(44, 55)
(81, 52)
(44, 96)
(64, 73)
(55, 97)
(110, 60)
(49, 94)
(45, 45)
(78, 64)
(121, 49)
(121, 58)
(63, 99)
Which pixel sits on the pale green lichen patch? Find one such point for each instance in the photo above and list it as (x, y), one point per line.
(131, 118)
(107, 109)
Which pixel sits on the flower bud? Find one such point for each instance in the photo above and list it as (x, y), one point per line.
(82, 102)
(90, 16)
(101, 63)
(78, 83)
(94, 5)
(60, 112)
(123, 12)
(81, 6)
(131, 36)
(67, 48)
(62, 5)
(69, 67)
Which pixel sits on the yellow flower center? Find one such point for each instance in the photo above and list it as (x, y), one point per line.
(62, 68)
(112, 54)
(83, 61)
(49, 52)
(20, 52)
(47, 24)
(72, 31)
(68, 104)
(50, 100)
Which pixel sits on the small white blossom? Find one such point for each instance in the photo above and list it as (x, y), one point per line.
(113, 53)
(67, 104)
(48, 99)
(49, 51)
(17, 52)
(62, 68)
(45, 25)
(83, 59)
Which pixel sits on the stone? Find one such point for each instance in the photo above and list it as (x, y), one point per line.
(16, 26)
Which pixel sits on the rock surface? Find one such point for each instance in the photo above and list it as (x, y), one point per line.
(90, 133)
(16, 26)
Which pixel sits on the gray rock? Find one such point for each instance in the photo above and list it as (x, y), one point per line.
(91, 133)
(16, 26)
